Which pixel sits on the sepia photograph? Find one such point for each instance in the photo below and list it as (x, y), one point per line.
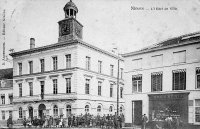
(100, 64)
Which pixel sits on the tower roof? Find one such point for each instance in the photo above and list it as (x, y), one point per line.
(70, 5)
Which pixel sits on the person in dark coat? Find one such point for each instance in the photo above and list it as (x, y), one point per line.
(144, 121)
(24, 122)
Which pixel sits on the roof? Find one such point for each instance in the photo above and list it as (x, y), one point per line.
(69, 5)
(62, 44)
(176, 41)
(6, 73)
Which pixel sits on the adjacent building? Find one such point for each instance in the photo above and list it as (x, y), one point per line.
(6, 94)
(68, 77)
(164, 80)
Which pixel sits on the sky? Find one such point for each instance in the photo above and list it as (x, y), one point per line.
(128, 25)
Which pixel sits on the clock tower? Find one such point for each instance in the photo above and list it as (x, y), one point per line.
(70, 28)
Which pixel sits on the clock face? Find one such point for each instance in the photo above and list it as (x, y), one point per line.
(65, 28)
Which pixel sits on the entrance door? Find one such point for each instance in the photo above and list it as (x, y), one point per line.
(41, 110)
(30, 110)
(137, 113)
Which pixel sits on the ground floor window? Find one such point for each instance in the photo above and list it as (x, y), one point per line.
(55, 110)
(87, 108)
(3, 115)
(20, 112)
(197, 110)
(69, 110)
(111, 109)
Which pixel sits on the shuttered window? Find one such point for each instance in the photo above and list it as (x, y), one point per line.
(156, 81)
(179, 79)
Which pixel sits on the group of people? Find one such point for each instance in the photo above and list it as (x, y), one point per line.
(87, 120)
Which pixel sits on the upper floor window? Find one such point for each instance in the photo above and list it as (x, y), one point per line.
(55, 86)
(137, 63)
(11, 98)
(100, 66)
(42, 89)
(111, 70)
(121, 73)
(68, 85)
(3, 99)
(68, 61)
(111, 90)
(20, 89)
(30, 88)
(156, 81)
(55, 63)
(30, 66)
(137, 83)
(20, 68)
(42, 65)
(179, 57)
(179, 79)
(87, 86)
(121, 92)
(99, 88)
(156, 61)
(87, 63)
(198, 77)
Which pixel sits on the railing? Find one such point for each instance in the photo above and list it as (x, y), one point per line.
(46, 97)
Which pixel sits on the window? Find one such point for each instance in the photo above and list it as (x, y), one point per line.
(68, 61)
(121, 73)
(197, 110)
(100, 66)
(111, 70)
(137, 63)
(20, 68)
(111, 109)
(68, 85)
(30, 88)
(157, 61)
(179, 57)
(87, 86)
(55, 110)
(42, 89)
(87, 108)
(55, 86)
(87, 63)
(121, 109)
(68, 110)
(42, 65)
(111, 90)
(3, 115)
(156, 81)
(20, 112)
(198, 77)
(179, 79)
(99, 109)
(20, 89)
(121, 92)
(55, 63)
(137, 83)
(10, 113)
(3, 99)
(99, 88)
(11, 98)
(30, 67)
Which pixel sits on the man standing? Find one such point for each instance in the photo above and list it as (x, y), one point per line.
(144, 121)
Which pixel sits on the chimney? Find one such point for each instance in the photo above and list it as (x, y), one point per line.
(32, 43)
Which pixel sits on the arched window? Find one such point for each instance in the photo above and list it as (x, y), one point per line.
(68, 110)
(99, 109)
(55, 110)
(111, 109)
(20, 112)
(87, 108)
(121, 110)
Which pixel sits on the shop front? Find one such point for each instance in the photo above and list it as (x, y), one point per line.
(168, 106)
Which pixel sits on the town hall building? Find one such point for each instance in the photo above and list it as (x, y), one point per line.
(68, 77)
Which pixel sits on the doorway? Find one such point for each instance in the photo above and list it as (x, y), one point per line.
(30, 110)
(41, 110)
(137, 112)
